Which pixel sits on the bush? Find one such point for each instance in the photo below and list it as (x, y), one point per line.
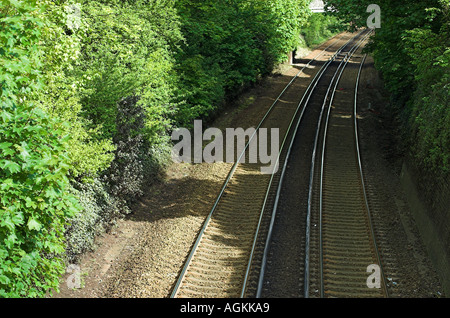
(100, 210)
(126, 175)
(34, 203)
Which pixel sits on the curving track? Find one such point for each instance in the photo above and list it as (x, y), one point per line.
(347, 242)
(339, 244)
(230, 254)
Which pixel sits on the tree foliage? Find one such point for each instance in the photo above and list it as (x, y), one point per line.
(411, 49)
(61, 48)
(321, 27)
(34, 162)
(127, 50)
(229, 45)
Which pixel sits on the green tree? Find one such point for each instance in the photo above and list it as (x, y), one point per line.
(411, 50)
(61, 48)
(34, 204)
(229, 45)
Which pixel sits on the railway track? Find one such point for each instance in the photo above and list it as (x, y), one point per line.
(226, 258)
(346, 236)
(340, 244)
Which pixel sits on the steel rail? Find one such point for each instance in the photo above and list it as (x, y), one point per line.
(366, 201)
(360, 170)
(322, 169)
(311, 89)
(233, 169)
(346, 59)
(231, 173)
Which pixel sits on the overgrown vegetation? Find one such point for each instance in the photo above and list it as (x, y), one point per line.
(34, 160)
(321, 27)
(412, 51)
(229, 45)
(90, 92)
